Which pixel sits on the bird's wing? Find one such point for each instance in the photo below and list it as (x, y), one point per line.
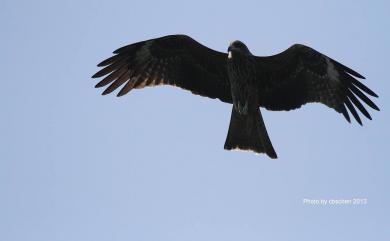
(176, 60)
(301, 75)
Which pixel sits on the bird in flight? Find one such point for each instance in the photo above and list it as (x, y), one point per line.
(284, 81)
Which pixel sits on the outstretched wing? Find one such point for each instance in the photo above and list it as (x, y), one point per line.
(176, 60)
(301, 75)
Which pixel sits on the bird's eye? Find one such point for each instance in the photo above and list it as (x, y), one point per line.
(238, 45)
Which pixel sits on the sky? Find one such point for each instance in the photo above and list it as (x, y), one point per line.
(75, 165)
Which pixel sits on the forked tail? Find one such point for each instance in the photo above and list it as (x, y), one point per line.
(247, 132)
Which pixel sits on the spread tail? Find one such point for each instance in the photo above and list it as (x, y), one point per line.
(247, 132)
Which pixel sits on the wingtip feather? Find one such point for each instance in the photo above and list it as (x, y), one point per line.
(120, 94)
(106, 91)
(349, 70)
(345, 113)
(353, 111)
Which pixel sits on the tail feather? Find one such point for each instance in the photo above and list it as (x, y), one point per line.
(248, 132)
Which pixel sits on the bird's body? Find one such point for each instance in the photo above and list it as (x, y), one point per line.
(241, 68)
(284, 81)
(247, 130)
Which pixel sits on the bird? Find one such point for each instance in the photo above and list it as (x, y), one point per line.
(280, 82)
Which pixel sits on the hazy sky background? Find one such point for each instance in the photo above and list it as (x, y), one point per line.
(150, 166)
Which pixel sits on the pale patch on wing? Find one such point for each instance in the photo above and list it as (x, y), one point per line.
(331, 70)
(155, 82)
(140, 85)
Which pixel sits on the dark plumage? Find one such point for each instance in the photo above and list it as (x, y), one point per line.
(285, 81)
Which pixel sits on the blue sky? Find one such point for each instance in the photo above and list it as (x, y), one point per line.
(75, 165)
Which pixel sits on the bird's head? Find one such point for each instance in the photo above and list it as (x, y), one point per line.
(237, 47)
